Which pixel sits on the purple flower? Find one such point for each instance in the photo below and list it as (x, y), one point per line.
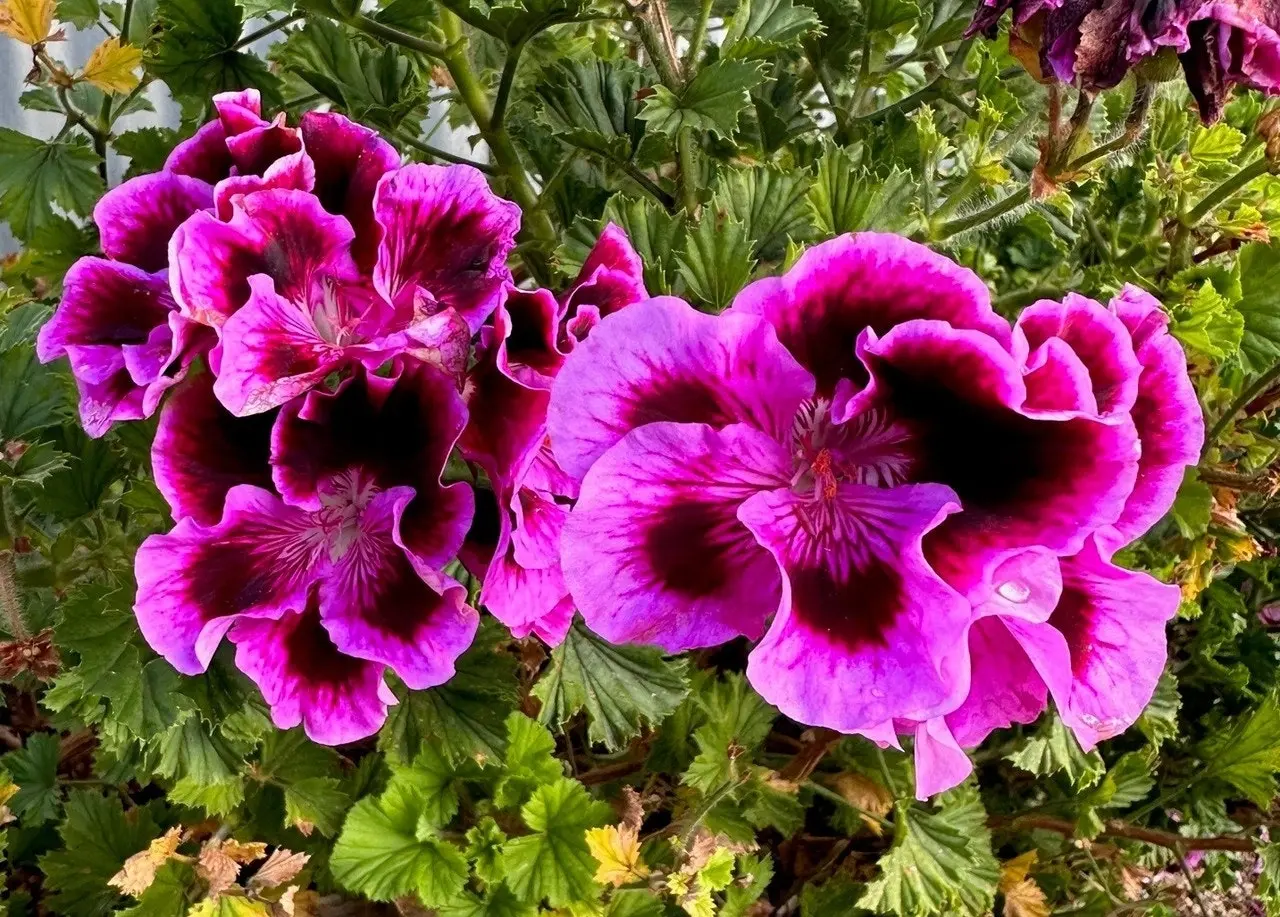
(1095, 43)
(866, 469)
(343, 558)
(515, 548)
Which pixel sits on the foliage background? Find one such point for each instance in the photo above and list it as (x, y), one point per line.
(597, 780)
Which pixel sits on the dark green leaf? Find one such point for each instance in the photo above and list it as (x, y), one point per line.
(711, 102)
(37, 175)
(34, 768)
(195, 52)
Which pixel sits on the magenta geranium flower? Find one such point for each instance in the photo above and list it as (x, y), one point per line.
(515, 547)
(856, 464)
(345, 554)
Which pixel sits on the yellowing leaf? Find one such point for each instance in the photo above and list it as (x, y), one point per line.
(865, 794)
(29, 21)
(617, 850)
(139, 871)
(8, 790)
(1022, 897)
(112, 66)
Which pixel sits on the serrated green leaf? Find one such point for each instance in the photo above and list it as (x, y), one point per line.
(712, 101)
(32, 396)
(82, 14)
(940, 863)
(737, 721)
(316, 801)
(167, 895)
(1159, 721)
(380, 855)
(426, 787)
(846, 197)
(38, 175)
(1206, 322)
(553, 863)
(1054, 749)
(763, 28)
(97, 837)
(194, 51)
(1218, 143)
(716, 261)
(498, 901)
(466, 716)
(592, 106)
(530, 761)
(1247, 754)
(377, 85)
(1193, 507)
(217, 797)
(771, 204)
(484, 847)
(620, 687)
(1259, 304)
(146, 148)
(34, 768)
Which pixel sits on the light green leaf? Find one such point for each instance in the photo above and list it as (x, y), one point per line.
(317, 801)
(764, 28)
(770, 203)
(1219, 143)
(620, 687)
(1193, 507)
(37, 175)
(217, 797)
(940, 863)
(1052, 749)
(167, 896)
(380, 855)
(484, 847)
(716, 261)
(737, 721)
(712, 101)
(1206, 322)
(1159, 721)
(530, 761)
(1259, 267)
(1247, 754)
(553, 862)
(846, 197)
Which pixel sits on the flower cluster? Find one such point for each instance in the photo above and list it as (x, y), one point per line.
(1220, 43)
(311, 304)
(910, 505)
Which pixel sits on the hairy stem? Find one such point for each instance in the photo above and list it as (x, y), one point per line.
(1256, 388)
(1225, 191)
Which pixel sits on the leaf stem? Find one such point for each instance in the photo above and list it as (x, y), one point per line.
(1256, 388)
(698, 39)
(1005, 205)
(371, 26)
(1226, 190)
(268, 29)
(827, 793)
(444, 155)
(504, 84)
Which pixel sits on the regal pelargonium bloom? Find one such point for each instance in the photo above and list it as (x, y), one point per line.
(1095, 43)
(332, 577)
(515, 548)
(857, 464)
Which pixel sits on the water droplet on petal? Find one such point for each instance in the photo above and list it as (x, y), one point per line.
(1014, 591)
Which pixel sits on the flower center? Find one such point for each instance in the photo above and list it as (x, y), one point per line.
(870, 449)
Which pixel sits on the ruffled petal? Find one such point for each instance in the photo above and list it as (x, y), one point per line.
(1019, 478)
(940, 761)
(508, 421)
(274, 348)
(1104, 648)
(611, 277)
(203, 156)
(284, 234)
(305, 679)
(254, 150)
(196, 580)
(1097, 337)
(866, 631)
(201, 451)
(526, 327)
(376, 606)
(1004, 687)
(137, 218)
(392, 431)
(1167, 415)
(529, 597)
(349, 161)
(661, 360)
(445, 231)
(107, 306)
(839, 288)
(654, 552)
(293, 172)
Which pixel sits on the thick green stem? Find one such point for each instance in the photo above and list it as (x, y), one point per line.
(986, 215)
(270, 28)
(1256, 388)
(537, 224)
(505, 83)
(1225, 191)
(688, 171)
(698, 39)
